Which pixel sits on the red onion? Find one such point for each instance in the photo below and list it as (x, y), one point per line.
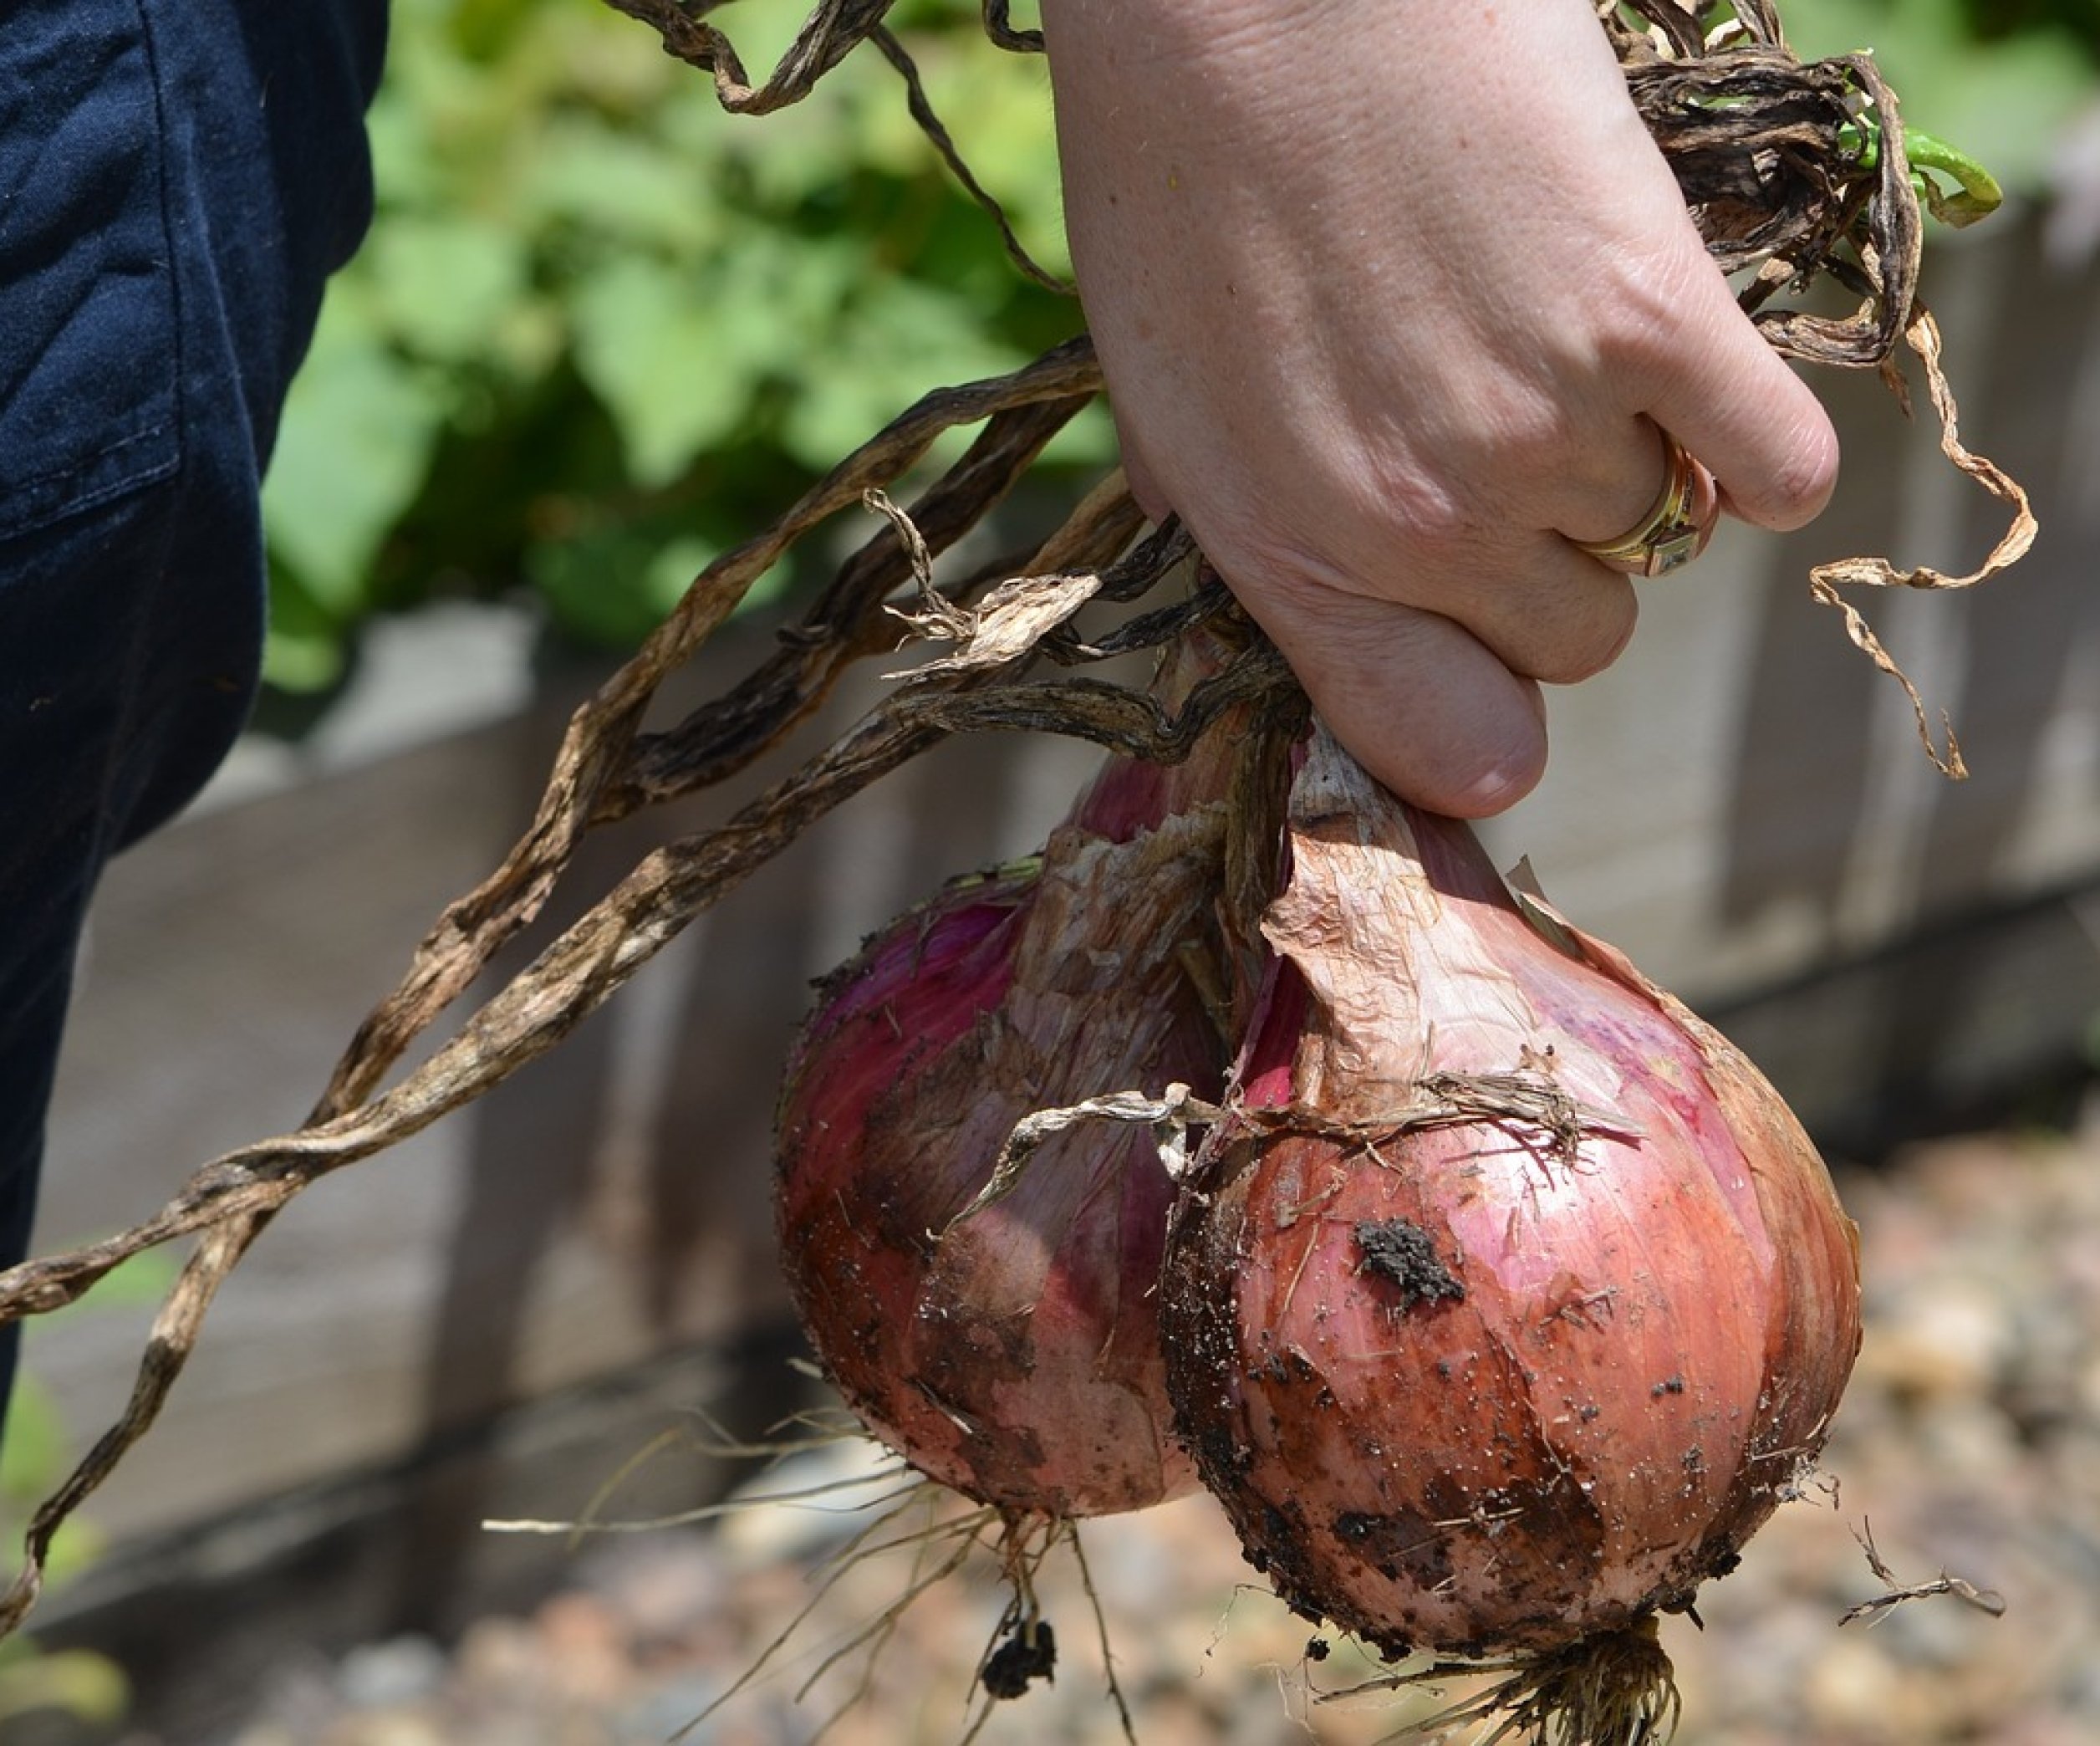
(1013, 1354)
(1508, 1300)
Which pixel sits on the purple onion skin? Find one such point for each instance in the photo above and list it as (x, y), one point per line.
(1462, 1381)
(1013, 1356)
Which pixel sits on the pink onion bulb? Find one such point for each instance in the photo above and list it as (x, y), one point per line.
(1509, 1299)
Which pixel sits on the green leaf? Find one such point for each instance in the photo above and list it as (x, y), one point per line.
(356, 440)
(143, 1279)
(594, 309)
(609, 587)
(625, 187)
(997, 108)
(669, 571)
(897, 340)
(664, 356)
(33, 1454)
(306, 650)
(443, 285)
(1088, 442)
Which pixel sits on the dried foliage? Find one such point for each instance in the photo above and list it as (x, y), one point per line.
(1768, 153)
(1798, 171)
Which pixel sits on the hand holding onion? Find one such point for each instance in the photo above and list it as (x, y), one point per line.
(1503, 1303)
(1504, 1300)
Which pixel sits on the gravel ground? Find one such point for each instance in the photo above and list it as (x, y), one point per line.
(1969, 1439)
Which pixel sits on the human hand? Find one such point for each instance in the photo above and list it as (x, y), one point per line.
(1391, 302)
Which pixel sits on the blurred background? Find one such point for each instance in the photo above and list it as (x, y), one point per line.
(600, 333)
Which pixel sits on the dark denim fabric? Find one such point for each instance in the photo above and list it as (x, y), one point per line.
(177, 179)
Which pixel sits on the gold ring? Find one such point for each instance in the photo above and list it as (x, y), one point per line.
(1673, 533)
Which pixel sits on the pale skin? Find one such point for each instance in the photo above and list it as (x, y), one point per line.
(1392, 299)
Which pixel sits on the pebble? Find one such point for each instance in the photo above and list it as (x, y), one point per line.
(403, 1670)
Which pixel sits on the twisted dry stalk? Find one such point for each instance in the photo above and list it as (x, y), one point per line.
(1769, 169)
(606, 769)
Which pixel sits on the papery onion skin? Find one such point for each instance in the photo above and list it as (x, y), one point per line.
(1014, 1356)
(1640, 1300)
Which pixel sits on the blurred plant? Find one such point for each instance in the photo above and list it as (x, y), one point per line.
(2003, 77)
(2077, 20)
(600, 329)
(35, 1455)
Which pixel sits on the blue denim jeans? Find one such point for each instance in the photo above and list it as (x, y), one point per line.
(178, 179)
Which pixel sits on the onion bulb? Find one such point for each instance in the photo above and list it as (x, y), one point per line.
(1508, 1298)
(1010, 1349)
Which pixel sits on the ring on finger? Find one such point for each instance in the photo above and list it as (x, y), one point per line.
(1674, 531)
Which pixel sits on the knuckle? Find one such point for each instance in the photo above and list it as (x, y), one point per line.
(1402, 500)
(1666, 333)
(1642, 310)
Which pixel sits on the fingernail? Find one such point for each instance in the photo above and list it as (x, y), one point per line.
(1498, 790)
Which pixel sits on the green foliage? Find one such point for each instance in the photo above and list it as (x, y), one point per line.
(89, 1689)
(602, 330)
(1999, 79)
(38, 1449)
